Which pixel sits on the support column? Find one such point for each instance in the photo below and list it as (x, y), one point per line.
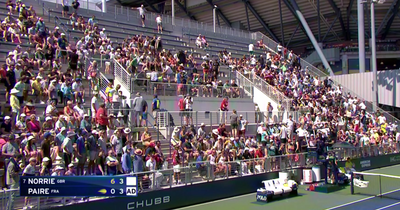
(311, 37)
(373, 57)
(280, 17)
(361, 35)
(345, 64)
(103, 6)
(319, 21)
(173, 11)
(214, 16)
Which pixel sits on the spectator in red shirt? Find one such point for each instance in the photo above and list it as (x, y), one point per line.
(101, 117)
(223, 110)
(259, 154)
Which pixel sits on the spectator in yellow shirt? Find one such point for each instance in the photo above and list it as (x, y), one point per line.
(37, 89)
(15, 105)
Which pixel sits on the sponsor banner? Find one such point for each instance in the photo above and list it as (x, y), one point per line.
(367, 163)
(180, 196)
(395, 159)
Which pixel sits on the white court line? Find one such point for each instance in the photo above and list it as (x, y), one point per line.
(226, 199)
(388, 206)
(349, 203)
(377, 169)
(361, 200)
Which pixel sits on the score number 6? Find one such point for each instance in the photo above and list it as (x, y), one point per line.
(121, 181)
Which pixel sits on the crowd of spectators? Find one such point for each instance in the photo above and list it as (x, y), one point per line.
(68, 140)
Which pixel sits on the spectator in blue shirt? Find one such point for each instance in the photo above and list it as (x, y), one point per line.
(127, 161)
(201, 168)
(62, 44)
(81, 154)
(155, 107)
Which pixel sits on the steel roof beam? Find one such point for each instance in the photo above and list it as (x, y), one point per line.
(390, 21)
(339, 13)
(183, 8)
(151, 6)
(265, 26)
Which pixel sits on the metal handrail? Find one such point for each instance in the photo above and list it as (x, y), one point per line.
(271, 91)
(123, 75)
(62, 26)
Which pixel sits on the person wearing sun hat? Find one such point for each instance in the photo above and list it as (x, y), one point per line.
(15, 103)
(86, 123)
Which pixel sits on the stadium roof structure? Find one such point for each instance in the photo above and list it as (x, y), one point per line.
(278, 20)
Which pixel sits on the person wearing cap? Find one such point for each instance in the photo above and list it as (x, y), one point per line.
(45, 169)
(29, 171)
(103, 34)
(201, 133)
(71, 170)
(62, 44)
(15, 104)
(6, 125)
(86, 123)
(117, 143)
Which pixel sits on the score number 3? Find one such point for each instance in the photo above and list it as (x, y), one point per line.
(121, 181)
(121, 191)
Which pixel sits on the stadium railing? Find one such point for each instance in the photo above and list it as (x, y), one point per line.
(214, 118)
(271, 91)
(245, 83)
(124, 77)
(189, 174)
(171, 89)
(133, 14)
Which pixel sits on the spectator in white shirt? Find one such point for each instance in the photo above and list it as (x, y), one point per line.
(78, 108)
(159, 24)
(151, 163)
(142, 14)
(251, 49)
(103, 34)
(381, 119)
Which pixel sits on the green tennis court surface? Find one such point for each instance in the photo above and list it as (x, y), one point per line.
(307, 200)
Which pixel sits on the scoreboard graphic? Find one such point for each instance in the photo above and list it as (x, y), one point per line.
(60, 186)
